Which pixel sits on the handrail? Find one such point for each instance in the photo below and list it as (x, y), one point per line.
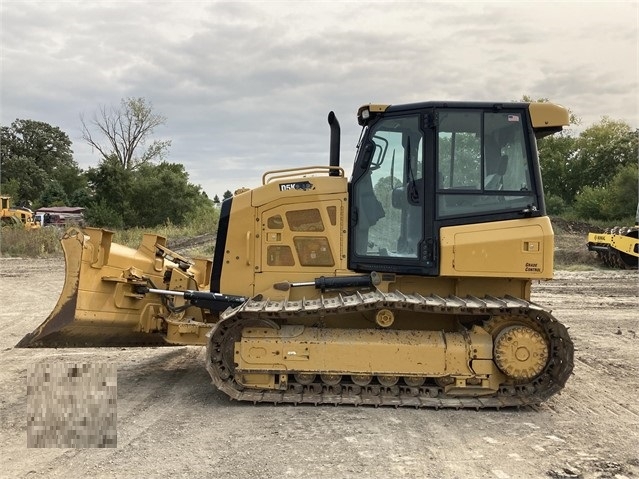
(273, 175)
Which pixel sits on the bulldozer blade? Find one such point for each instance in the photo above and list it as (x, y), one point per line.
(96, 307)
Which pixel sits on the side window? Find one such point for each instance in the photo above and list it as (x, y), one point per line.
(460, 151)
(483, 164)
(505, 152)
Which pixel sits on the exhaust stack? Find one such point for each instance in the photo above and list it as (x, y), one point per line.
(335, 139)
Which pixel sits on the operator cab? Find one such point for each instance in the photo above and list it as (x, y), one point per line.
(423, 166)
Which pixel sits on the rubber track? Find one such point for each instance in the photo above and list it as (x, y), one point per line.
(550, 382)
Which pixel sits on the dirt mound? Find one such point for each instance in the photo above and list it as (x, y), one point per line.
(574, 227)
(571, 238)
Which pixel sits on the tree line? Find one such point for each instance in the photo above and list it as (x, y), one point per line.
(132, 185)
(592, 175)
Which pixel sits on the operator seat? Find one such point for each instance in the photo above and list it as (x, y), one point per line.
(495, 165)
(495, 174)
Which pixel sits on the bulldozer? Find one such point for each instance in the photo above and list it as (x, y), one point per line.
(407, 284)
(17, 217)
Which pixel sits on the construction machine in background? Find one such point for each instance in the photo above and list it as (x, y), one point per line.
(16, 216)
(61, 216)
(617, 247)
(407, 285)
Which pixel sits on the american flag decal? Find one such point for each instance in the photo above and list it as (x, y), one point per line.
(513, 117)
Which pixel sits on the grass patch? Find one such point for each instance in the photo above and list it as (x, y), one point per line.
(180, 240)
(195, 239)
(18, 242)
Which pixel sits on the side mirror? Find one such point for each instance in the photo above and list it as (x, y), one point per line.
(369, 148)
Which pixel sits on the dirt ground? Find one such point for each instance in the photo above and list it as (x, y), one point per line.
(171, 422)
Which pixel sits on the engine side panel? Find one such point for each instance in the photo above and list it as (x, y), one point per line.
(279, 233)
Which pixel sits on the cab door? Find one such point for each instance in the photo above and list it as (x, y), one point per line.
(391, 211)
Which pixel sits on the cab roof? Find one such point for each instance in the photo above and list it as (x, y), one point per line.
(546, 118)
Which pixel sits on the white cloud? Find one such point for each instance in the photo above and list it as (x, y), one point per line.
(246, 86)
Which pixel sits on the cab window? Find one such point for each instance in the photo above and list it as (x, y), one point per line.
(483, 165)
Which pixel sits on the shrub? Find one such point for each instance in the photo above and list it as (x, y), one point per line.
(102, 215)
(591, 203)
(555, 205)
(617, 200)
(20, 242)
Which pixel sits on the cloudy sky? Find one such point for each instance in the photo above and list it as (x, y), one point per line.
(247, 86)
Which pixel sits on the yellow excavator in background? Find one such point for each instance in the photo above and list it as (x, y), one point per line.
(10, 216)
(408, 285)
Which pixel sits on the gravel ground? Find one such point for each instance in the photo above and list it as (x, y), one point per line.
(171, 422)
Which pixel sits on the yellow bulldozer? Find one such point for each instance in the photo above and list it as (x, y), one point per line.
(20, 216)
(407, 285)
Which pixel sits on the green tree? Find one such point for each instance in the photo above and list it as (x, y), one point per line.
(123, 132)
(10, 188)
(615, 201)
(31, 154)
(127, 188)
(160, 194)
(72, 179)
(601, 151)
(25, 180)
(590, 203)
(624, 195)
(556, 152)
(81, 197)
(584, 166)
(227, 194)
(54, 195)
(110, 184)
(148, 196)
(110, 181)
(104, 214)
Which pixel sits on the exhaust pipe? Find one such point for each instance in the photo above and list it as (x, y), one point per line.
(335, 138)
